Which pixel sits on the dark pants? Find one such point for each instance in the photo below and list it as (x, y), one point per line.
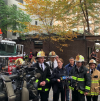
(56, 94)
(67, 95)
(44, 96)
(92, 98)
(76, 96)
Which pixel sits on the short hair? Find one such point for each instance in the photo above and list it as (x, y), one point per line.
(61, 60)
(71, 58)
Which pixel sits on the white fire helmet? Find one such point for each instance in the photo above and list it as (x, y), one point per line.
(19, 61)
(79, 58)
(92, 61)
(52, 54)
(41, 54)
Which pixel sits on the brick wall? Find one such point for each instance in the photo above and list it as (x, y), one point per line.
(75, 47)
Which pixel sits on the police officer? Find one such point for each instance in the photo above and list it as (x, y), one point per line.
(43, 81)
(58, 84)
(52, 63)
(95, 82)
(81, 80)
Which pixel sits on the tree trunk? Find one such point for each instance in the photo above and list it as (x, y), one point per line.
(49, 42)
(87, 16)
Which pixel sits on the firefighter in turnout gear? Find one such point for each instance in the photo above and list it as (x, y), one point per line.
(81, 80)
(95, 82)
(52, 63)
(44, 80)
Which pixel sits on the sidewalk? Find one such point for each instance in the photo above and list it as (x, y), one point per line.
(51, 96)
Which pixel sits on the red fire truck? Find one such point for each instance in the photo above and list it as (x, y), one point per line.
(9, 52)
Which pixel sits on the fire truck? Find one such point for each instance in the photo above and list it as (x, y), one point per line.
(9, 52)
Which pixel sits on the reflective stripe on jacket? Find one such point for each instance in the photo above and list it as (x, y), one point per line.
(81, 79)
(95, 83)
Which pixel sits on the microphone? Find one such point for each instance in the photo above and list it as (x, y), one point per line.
(66, 77)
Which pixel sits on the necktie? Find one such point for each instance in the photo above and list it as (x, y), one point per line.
(52, 65)
(41, 67)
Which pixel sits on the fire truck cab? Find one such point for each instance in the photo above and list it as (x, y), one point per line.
(9, 52)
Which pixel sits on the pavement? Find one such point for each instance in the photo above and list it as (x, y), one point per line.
(51, 96)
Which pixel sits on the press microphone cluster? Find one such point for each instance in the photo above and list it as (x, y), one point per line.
(66, 77)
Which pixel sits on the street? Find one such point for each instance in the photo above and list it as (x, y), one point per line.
(51, 97)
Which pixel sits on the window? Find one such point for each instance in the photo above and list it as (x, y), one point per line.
(96, 27)
(74, 29)
(14, 34)
(90, 28)
(38, 44)
(86, 28)
(20, 1)
(36, 23)
(96, 33)
(90, 22)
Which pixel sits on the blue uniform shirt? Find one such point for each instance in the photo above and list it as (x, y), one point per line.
(68, 68)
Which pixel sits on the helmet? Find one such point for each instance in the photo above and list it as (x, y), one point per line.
(92, 61)
(52, 54)
(79, 58)
(19, 61)
(41, 54)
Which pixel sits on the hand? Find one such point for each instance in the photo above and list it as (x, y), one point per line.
(44, 83)
(41, 83)
(58, 80)
(85, 93)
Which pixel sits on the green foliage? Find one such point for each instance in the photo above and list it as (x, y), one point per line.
(13, 18)
(84, 11)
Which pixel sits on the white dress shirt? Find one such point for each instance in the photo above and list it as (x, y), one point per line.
(43, 66)
(54, 63)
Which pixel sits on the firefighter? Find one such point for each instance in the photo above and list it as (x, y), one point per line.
(44, 80)
(26, 57)
(81, 80)
(19, 62)
(52, 63)
(95, 82)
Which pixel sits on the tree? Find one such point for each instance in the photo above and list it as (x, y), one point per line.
(83, 12)
(53, 22)
(13, 18)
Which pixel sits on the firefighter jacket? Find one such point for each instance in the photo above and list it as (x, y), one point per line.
(81, 79)
(45, 76)
(95, 83)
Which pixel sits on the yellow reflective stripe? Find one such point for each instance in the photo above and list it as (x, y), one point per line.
(39, 88)
(71, 88)
(80, 91)
(46, 89)
(47, 79)
(73, 77)
(87, 87)
(80, 79)
(94, 81)
(93, 93)
(68, 81)
(37, 81)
